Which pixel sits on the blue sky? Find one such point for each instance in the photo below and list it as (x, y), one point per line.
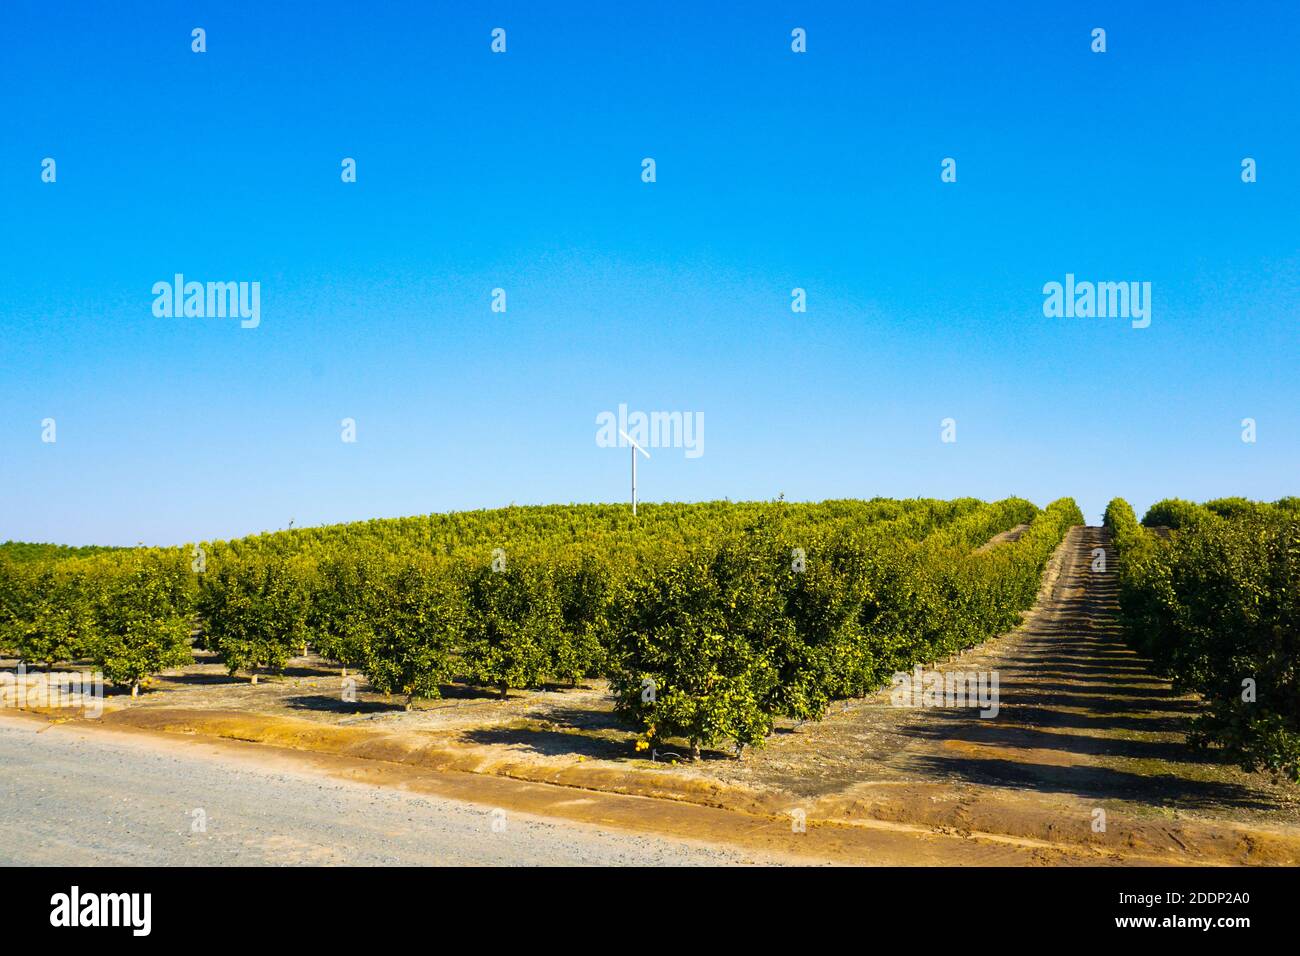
(522, 171)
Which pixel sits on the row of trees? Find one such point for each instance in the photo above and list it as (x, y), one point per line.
(708, 633)
(127, 613)
(412, 601)
(717, 646)
(1215, 603)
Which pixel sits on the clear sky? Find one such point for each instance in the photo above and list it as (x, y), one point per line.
(522, 171)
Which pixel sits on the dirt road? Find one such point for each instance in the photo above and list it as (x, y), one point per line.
(77, 798)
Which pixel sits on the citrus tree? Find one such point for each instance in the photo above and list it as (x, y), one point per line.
(54, 619)
(255, 612)
(686, 657)
(411, 621)
(513, 624)
(143, 618)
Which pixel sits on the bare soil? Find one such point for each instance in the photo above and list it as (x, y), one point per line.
(1005, 537)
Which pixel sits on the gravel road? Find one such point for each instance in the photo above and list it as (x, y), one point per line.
(69, 799)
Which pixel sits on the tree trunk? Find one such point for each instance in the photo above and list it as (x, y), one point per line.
(505, 691)
(254, 678)
(345, 672)
(695, 750)
(135, 688)
(410, 702)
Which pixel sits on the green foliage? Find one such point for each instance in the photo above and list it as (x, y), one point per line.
(690, 649)
(51, 613)
(937, 597)
(547, 618)
(734, 614)
(28, 551)
(976, 527)
(143, 615)
(256, 612)
(127, 611)
(513, 625)
(1175, 513)
(409, 622)
(15, 580)
(717, 645)
(345, 589)
(1236, 507)
(583, 590)
(1215, 606)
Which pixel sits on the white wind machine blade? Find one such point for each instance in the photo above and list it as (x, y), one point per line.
(628, 439)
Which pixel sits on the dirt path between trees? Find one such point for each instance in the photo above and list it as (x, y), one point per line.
(1085, 761)
(1087, 747)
